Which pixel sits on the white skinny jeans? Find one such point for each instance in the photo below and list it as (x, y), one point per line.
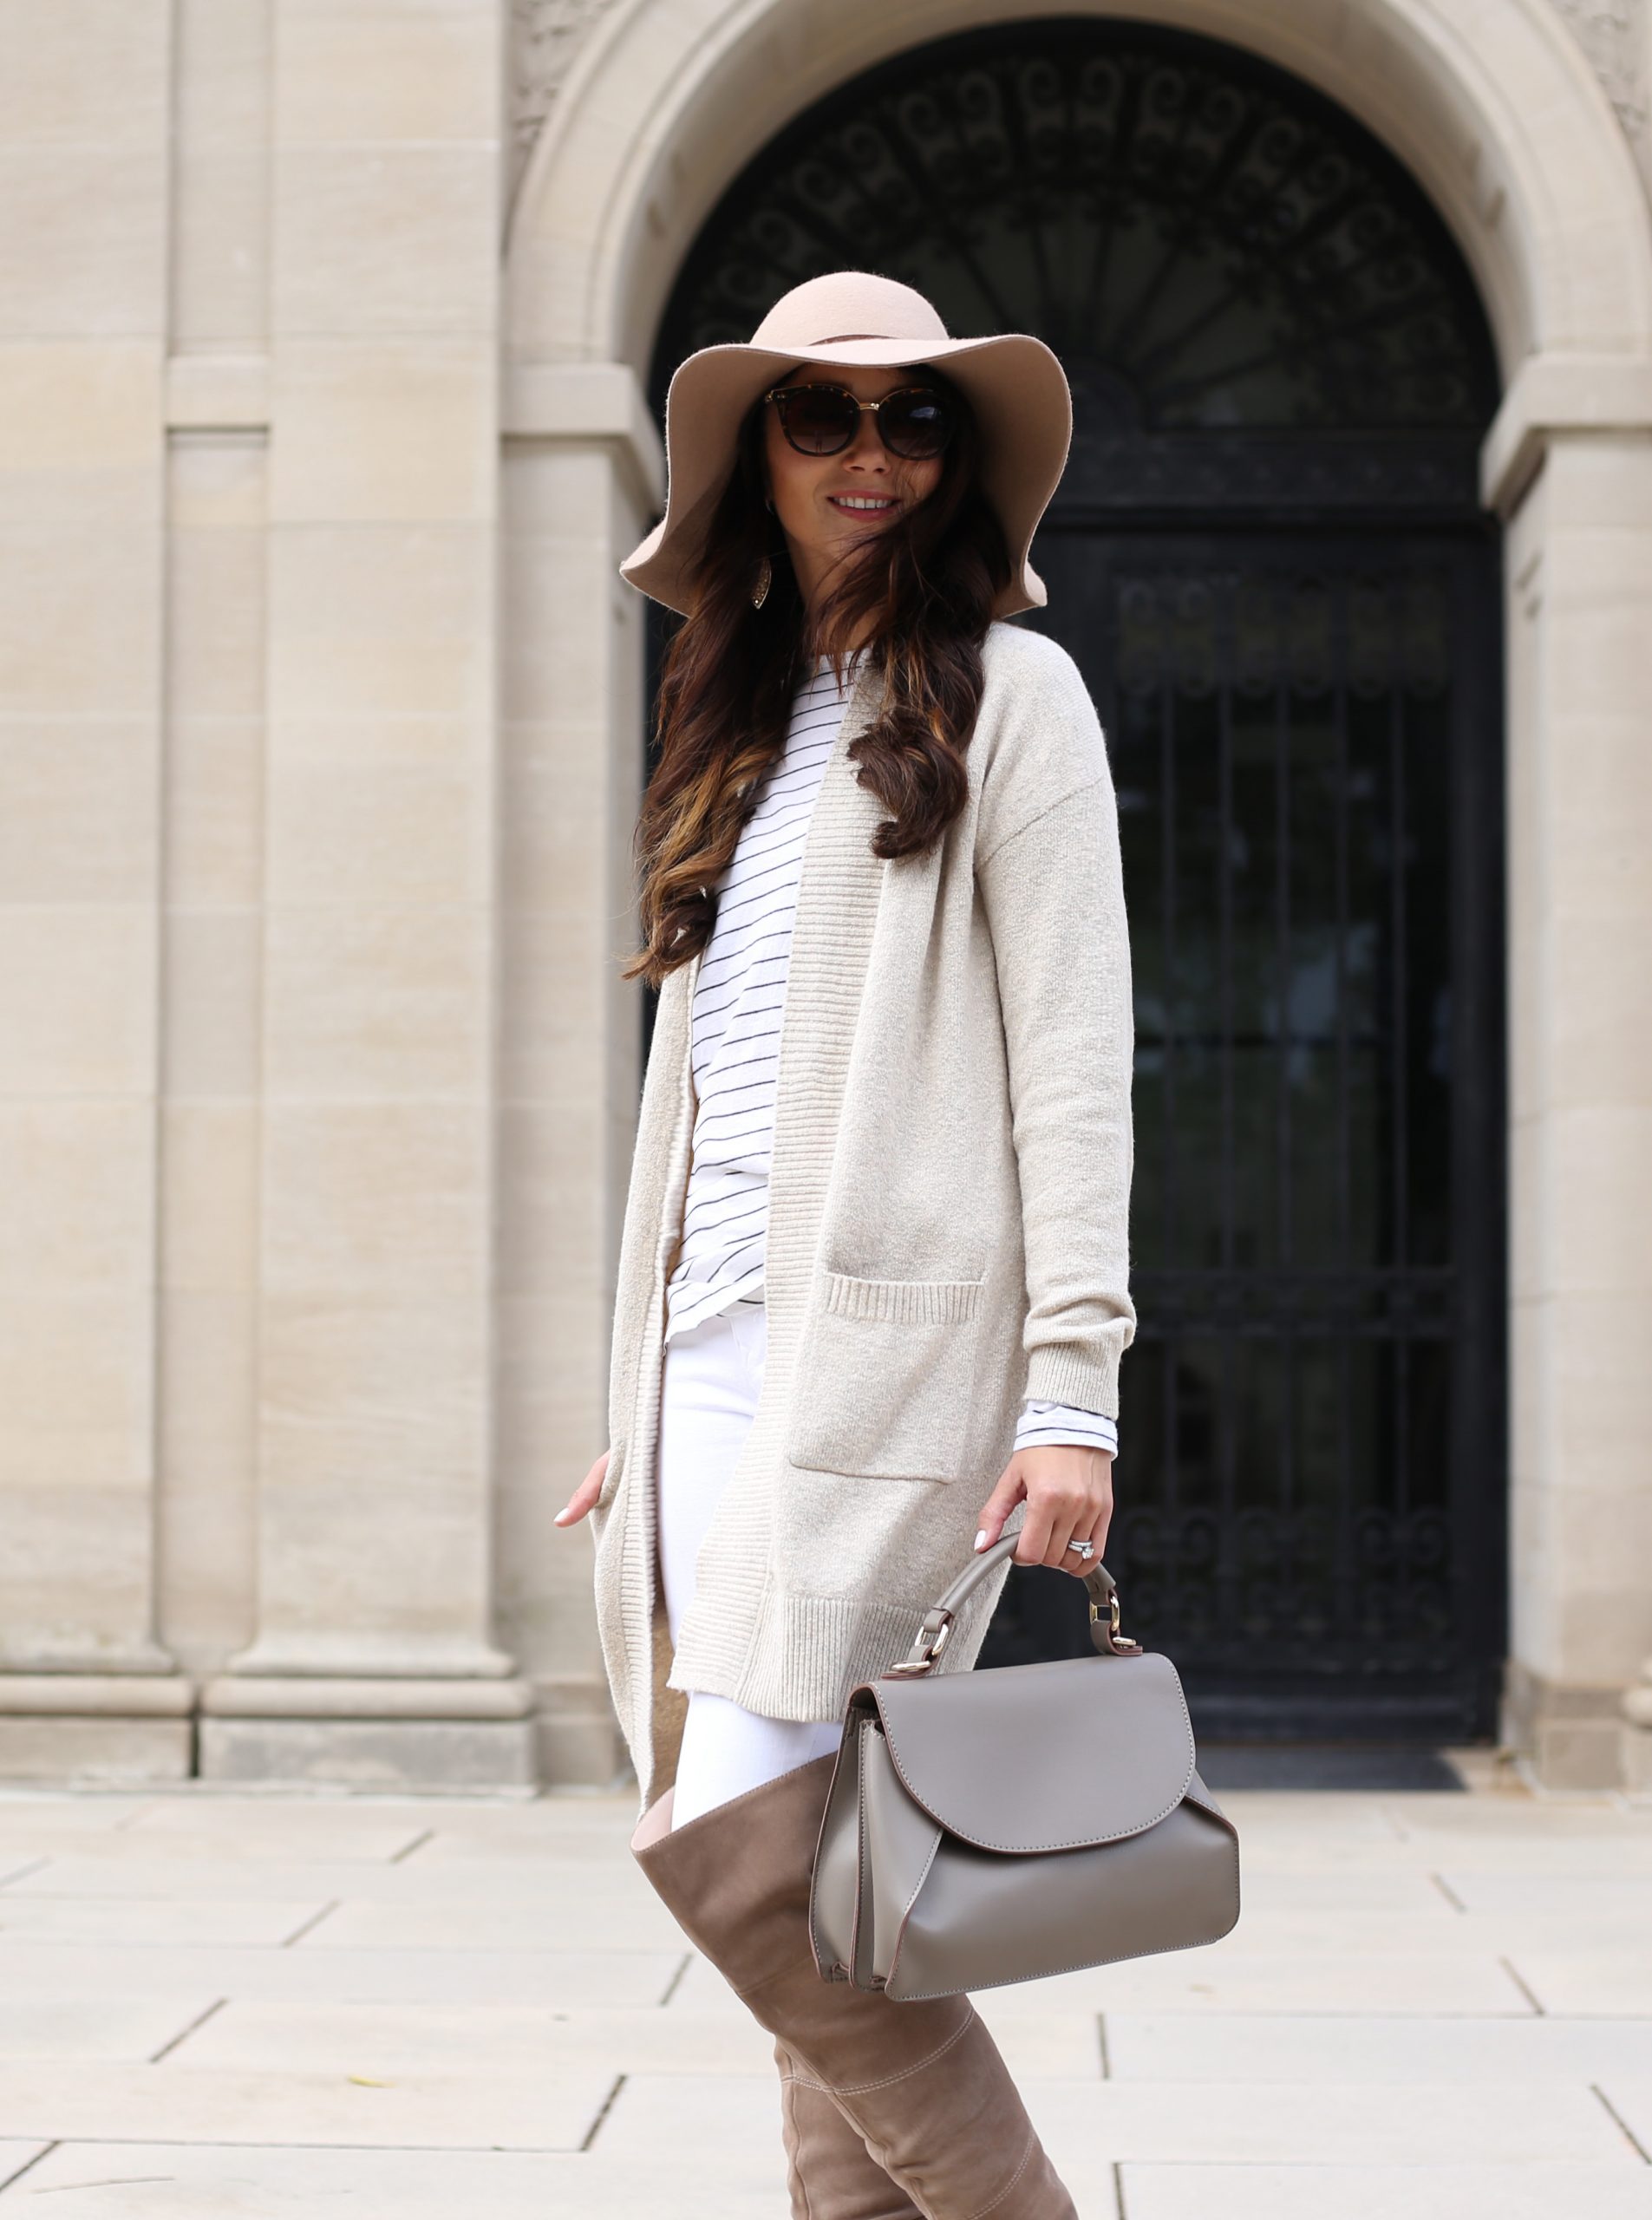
(708, 1390)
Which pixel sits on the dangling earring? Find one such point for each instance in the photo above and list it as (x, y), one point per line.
(765, 574)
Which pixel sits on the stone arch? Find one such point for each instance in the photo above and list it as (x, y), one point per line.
(1510, 133)
(1494, 108)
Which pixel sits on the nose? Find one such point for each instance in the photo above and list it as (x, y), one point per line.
(866, 450)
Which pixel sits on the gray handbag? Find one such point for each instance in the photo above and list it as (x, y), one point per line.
(990, 1827)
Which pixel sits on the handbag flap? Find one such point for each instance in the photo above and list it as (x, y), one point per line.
(1042, 1757)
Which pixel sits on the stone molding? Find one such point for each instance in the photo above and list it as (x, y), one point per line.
(1638, 1733)
(546, 36)
(226, 1696)
(1559, 393)
(97, 1695)
(218, 393)
(590, 404)
(1613, 36)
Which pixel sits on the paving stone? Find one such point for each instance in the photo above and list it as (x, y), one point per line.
(142, 1873)
(160, 2181)
(1333, 1815)
(1630, 2098)
(1625, 1897)
(14, 2157)
(551, 1977)
(1268, 2124)
(27, 1814)
(1218, 1980)
(1504, 1819)
(702, 1988)
(1185, 2047)
(1060, 2043)
(492, 1922)
(265, 1829)
(184, 1921)
(1584, 1982)
(423, 2037)
(59, 2024)
(174, 2103)
(1574, 1926)
(1390, 1887)
(134, 1869)
(507, 1990)
(1378, 2192)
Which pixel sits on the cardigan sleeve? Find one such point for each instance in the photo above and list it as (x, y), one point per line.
(1054, 898)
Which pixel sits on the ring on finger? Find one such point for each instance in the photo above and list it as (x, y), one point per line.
(1084, 1549)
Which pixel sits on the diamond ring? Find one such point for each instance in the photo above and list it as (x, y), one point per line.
(1084, 1549)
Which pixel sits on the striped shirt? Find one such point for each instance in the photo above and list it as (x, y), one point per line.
(734, 1052)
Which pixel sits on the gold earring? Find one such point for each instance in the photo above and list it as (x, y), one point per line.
(765, 573)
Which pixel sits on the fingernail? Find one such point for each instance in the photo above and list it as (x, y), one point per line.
(980, 1538)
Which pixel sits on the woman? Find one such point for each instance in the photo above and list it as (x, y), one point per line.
(871, 1291)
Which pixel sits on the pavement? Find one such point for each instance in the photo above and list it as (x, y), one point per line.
(229, 2005)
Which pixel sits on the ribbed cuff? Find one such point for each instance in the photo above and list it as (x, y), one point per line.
(1084, 1377)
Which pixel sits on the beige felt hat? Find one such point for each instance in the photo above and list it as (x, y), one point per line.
(1015, 382)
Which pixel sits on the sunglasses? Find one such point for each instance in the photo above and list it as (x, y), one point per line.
(914, 421)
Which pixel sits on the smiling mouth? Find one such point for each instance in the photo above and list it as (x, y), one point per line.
(863, 505)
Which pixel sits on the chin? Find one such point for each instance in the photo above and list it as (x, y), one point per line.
(853, 526)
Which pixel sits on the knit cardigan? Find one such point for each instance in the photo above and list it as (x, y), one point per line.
(947, 1231)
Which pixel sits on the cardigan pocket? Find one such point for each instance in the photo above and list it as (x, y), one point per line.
(885, 1374)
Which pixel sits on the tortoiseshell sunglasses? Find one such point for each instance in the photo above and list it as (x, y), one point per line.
(914, 421)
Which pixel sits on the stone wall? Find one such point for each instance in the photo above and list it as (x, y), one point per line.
(320, 717)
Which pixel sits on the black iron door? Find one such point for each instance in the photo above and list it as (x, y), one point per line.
(1303, 741)
(1268, 557)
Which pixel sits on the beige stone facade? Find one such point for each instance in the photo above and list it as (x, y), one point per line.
(326, 325)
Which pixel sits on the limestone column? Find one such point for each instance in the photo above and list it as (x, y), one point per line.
(585, 477)
(86, 1687)
(217, 497)
(1637, 1733)
(1570, 461)
(374, 1658)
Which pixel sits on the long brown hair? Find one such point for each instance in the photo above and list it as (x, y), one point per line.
(928, 581)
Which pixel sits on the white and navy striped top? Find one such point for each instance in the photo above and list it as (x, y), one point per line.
(734, 1051)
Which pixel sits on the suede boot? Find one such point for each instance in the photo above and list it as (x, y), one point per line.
(829, 2170)
(923, 2082)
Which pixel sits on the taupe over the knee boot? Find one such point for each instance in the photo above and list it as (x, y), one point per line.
(922, 2081)
(829, 2170)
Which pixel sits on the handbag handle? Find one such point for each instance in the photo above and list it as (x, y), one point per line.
(931, 1636)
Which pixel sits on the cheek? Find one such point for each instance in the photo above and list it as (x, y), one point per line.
(797, 481)
(922, 479)
(789, 473)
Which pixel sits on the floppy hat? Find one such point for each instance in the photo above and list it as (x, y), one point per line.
(1015, 382)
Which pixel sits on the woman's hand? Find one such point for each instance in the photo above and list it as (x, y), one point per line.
(584, 1495)
(1069, 1487)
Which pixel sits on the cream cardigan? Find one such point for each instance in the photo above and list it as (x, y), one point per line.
(948, 1212)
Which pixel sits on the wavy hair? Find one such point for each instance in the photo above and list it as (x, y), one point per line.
(927, 582)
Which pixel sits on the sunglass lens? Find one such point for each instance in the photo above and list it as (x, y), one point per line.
(817, 419)
(916, 425)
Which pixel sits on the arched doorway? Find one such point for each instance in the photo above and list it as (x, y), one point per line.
(1269, 558)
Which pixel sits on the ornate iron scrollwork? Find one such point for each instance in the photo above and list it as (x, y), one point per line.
(1218, 254)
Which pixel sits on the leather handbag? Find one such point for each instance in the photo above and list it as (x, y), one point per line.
(989, 1827)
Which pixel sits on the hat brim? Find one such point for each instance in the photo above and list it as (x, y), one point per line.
(1014, 383)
